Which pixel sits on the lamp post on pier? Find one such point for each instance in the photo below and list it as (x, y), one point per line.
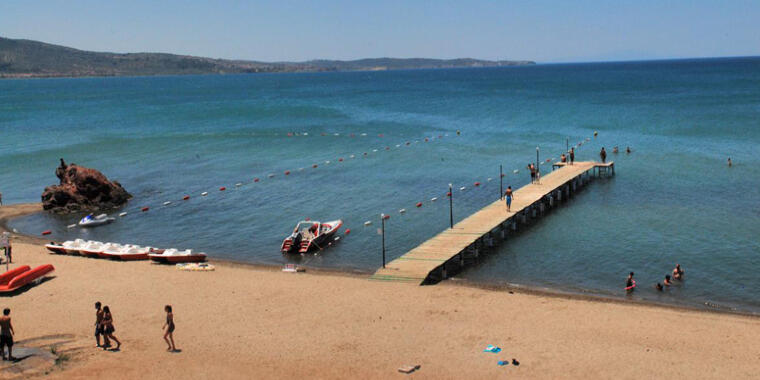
(382, 223)
(538, 171)
(451, 208)
(501, 182)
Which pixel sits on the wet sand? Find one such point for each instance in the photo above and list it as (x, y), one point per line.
(246, 322)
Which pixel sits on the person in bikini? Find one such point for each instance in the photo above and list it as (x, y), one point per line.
(572, 155)
(99, 327)
(667, 281)
(169, 326)
(509, 195)
(108, 328)
(677, 272)
(6, 334)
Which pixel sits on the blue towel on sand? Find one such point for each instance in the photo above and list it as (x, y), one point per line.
(493, 349)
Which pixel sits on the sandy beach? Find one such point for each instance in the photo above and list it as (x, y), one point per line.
(246, 322)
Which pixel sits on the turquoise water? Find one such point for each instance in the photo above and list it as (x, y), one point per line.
(673, 199)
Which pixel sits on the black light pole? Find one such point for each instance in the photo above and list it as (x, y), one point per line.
(537, 170)
(451, 207)
(382, 222)
(567, 145)
(501, 182)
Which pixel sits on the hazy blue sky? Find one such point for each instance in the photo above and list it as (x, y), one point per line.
(545, 31)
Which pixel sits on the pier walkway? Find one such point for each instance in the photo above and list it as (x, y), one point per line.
(432, 260)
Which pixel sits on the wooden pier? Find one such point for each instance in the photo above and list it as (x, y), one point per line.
(448, 251)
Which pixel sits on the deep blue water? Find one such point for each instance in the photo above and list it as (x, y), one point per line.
(673, 199)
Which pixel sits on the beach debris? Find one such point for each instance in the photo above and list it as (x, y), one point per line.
(292, 268)
(195, 267)
(408, 368)
(492, 349)
(515, 362)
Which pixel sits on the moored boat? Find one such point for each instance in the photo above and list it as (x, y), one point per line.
(95, 221)
(310, 235)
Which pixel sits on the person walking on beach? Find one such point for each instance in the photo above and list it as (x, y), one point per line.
(169, 326)
(108, 328)
(6, 334)
(603, 155)
(508, 195)
(99, 326)
(572, 155)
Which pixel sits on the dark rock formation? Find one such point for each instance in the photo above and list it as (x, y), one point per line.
(82, 189)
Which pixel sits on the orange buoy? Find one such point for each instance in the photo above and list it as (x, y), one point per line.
(387, 148)
(146, 208)
(426, 139)
(407, 143)
(340, 160)
(290, 134)
(222, 188)
(380, 135)
(477, 183)
(386, 217)
(348, 231)
(307, 219)
(419, 204)
(186, 197)
(314, 166)
(255, 180)
(448, 194)
(365, 153)
(46, 232)
(287, 172)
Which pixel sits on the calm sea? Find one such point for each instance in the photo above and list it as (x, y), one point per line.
(674, 200)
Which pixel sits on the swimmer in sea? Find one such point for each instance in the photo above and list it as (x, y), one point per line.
(630, 283)
(677, 272)
(658, 287)
(667, 280)
(615, 149)
(729, 162)
(628, 149)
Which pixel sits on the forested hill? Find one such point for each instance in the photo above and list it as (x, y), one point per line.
(26, 58)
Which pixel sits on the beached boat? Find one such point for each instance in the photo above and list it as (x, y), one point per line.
(24, 275)
(309, 235)
(92, 248)
(173, 256)
(56, 248)
(95, 221)
(127, 253)
(72, 247)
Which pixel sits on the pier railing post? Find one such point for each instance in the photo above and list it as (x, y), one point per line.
(501, 182)
(382, 223)
(451, 208)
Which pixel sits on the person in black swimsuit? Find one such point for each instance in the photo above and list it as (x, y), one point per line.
(603, 155)
(572, 155)
(169, 326)
(108, 328)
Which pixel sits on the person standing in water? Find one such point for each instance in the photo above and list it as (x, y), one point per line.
(169, 326)
(630, 283)
(729, 165)
(6, 334)
(603, 155)
(628, 150)
(508, 195)
(677, 272)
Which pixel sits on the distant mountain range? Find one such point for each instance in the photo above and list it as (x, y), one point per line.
(29, 59)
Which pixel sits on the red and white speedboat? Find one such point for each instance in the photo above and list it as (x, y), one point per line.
(173, 256)
(309, 235)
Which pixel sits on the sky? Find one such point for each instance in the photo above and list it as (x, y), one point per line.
(539, 30)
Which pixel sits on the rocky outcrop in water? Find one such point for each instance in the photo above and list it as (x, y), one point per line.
(82, 189)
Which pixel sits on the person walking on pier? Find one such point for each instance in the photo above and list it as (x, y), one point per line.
(572, 155)
(532, 173)
(508, 195)
(603, 155)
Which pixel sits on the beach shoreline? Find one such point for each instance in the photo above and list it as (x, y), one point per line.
(24, 209)
(243, 320)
